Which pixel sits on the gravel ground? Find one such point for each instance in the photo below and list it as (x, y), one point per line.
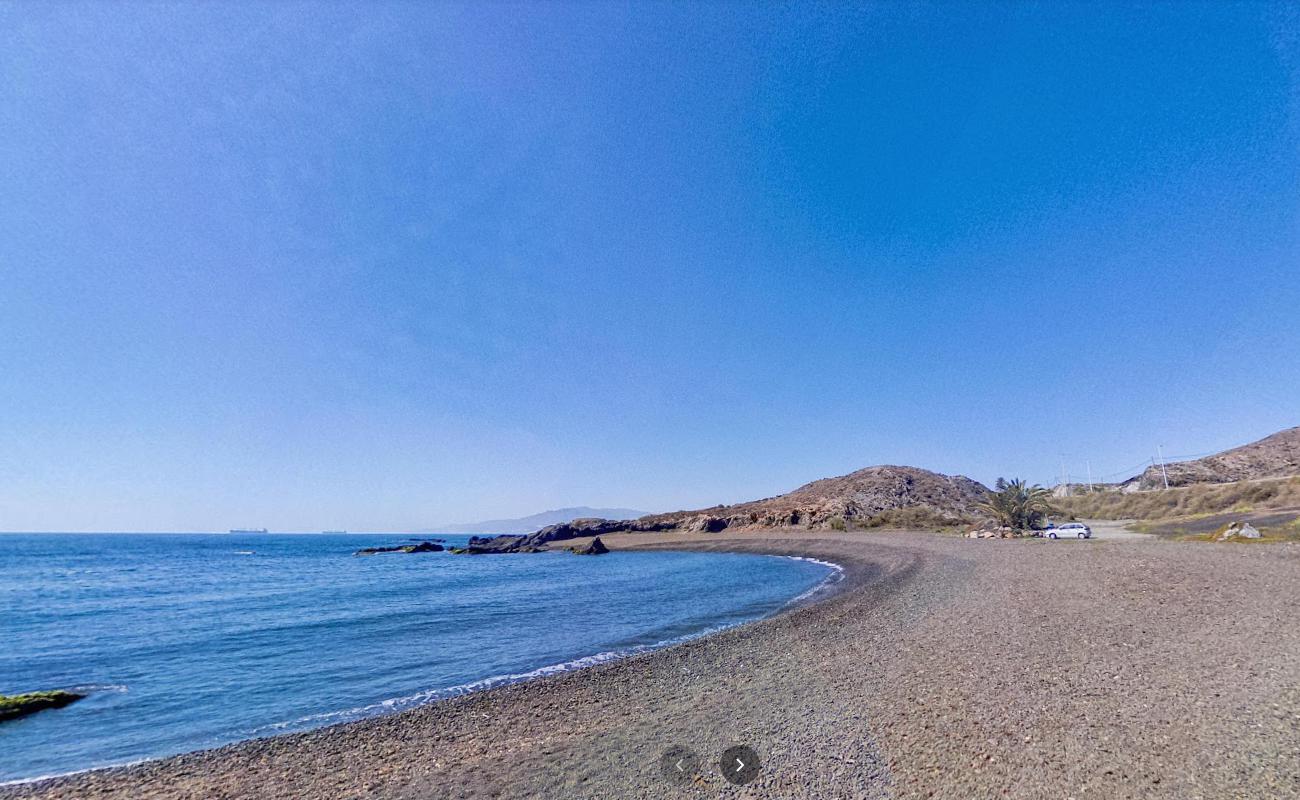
(941, 667)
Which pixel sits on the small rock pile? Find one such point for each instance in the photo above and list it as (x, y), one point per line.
(1238, 530)
(996, 533)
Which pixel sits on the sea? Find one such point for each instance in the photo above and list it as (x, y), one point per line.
(190, 641)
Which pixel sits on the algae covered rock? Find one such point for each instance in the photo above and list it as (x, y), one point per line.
(422, 547)
(20, 705)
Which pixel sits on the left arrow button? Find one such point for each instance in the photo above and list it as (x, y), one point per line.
(679, 765)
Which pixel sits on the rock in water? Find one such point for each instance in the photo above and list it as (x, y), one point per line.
(422, 547)
(20, 705)
(594, 548)
(483, 545)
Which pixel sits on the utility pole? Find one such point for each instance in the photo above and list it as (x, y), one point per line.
(1089, 465)
(1163, 473)
(1065, 477)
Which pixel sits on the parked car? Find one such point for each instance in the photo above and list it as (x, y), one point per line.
(1075, 529)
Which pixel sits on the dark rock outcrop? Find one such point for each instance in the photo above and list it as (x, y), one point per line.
(485, 545)
(707, 524)
(20, 705)
(422, 547)
(593, 548)
(541, 540)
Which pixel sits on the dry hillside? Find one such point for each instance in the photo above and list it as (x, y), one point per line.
(870, 497)
(1185, 501)
(1257, 483)
(1276, 456)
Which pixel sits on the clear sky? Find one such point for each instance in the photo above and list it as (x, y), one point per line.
(312, 267)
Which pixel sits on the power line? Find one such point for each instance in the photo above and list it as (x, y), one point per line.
(1136, 469)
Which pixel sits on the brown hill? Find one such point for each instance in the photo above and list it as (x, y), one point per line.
(1276, 456)
(865, 497)
(871, 497)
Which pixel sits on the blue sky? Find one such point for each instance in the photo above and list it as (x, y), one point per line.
(313, 267)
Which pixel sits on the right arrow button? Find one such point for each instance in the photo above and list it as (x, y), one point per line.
(739, 764)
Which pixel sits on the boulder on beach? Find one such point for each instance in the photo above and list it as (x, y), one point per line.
(20, 705)
(593, 548)
(1238, 530)
(422, 547)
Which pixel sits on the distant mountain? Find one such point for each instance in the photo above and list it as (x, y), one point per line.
(539, 521)
(1276, 456)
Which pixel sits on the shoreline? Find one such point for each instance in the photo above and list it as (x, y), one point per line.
(930, 670)
(824, 589)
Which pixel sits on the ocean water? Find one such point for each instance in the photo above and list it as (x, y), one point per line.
(192, 641)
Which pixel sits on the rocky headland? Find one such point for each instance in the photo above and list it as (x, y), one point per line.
(882, 496)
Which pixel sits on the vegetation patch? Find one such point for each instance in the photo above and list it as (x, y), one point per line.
(913, 518)
(1186, 501)
(1274, 526)
(1017, 505)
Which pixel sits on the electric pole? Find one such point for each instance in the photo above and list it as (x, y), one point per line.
(1163, 473)
(1089, 466)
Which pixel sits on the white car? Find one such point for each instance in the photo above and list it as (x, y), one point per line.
(1075, 529)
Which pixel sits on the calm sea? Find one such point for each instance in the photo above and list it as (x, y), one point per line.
(192, 641)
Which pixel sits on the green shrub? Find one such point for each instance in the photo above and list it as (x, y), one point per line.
(1016, 504)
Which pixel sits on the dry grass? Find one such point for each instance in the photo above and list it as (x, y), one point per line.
(914, 518)
(1186, 501)
(1278, 534)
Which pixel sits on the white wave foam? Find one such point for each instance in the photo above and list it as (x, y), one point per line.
(432, 695)
(835, 575)
(395, 704)
(836, 567)
(74, 772)
(117, 688)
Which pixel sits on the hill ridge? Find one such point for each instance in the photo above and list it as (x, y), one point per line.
(1274, 456)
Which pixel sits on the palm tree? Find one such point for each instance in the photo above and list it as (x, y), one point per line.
(1016, 504)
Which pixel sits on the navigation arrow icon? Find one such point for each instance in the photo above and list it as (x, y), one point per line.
(679, 765)
(739, 765)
